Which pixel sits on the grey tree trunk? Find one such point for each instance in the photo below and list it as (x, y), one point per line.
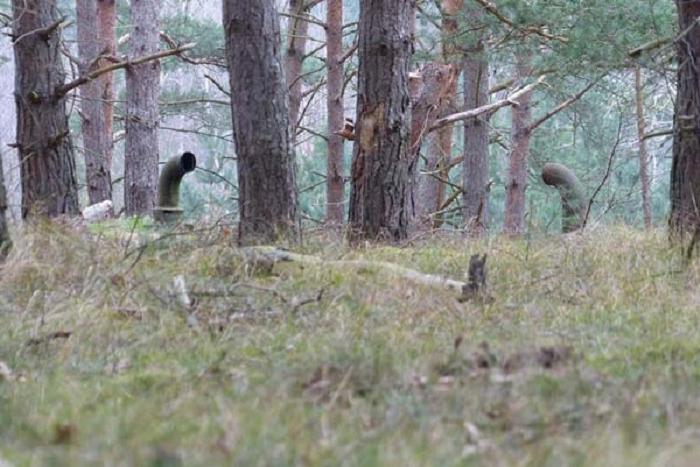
(97, 166)
(382, 170)
(516, 186)
(475, 198)
(294, 60)
(259, 109)
(46, 153)
(685, 171)
(643, 154)
(335, 184)
(142, 118)
(4, 231)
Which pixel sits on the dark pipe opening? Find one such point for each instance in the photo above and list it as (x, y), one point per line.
(188, 162)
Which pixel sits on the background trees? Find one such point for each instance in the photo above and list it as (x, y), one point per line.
(570, 49)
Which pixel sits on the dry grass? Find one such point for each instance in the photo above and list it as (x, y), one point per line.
(588, 355)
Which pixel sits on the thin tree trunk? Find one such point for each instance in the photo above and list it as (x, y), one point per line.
(685, 171)
(107, 22)
(97, 171)
(142, 118)
(47, 162)
(4, 231)
(382, 169)
(259, 108)
(643, 155)
(335, 184)
(476, 144)
(520, 148)
(294, 59)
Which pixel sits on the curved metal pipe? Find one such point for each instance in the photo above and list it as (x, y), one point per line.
(572, 194)
(168, 209)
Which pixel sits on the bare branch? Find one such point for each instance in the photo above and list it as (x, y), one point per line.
(488, 108)
(565, 104)
(66, 88)
(540, 31)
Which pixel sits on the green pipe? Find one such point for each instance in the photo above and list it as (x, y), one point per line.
(573, 198)
(168, 209)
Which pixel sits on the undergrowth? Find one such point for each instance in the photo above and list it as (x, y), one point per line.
(587, 353)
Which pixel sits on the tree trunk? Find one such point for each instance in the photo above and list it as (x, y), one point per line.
(685, 171)
(294, 60)
(439, 150)
(47, 163)
(514, 223)
(335, 184)
(476, 144)
(97, 171)
(382, 170)
(107, 22)
(4, 232)
(142, 118)
(259, 108)
(643, 155)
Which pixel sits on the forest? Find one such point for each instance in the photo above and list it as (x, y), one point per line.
(350, 232)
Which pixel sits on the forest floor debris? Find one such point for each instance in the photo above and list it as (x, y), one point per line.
(586, 352)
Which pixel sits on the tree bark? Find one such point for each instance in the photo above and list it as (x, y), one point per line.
(142, 117)
(643, 154)
(107, 22)
(97, 170)
(382, 169)
(475, 198)
(516, 186)
(4, 231)
(685, 171)
(335, 184)
(294, 59)
(259, 108)
(47, 163)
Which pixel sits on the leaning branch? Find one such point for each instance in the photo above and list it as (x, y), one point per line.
(66, 88)
(488, 108)
(533, 126)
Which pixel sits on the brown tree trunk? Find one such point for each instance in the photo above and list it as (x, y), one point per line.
(643, 155)
(97, 171)
(439, 150)
(685, 171)
(107, 22)
(142, 118)
(335, 184)
(476, 144)
(259, 108)
(47, 165)
(382, 169)
(516, 186)
(294, 59)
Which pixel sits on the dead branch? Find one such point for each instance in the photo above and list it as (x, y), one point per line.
(611, 158)
(540, 31)
(66, 88)
(533, 126)
(275, 255)
(488, 108)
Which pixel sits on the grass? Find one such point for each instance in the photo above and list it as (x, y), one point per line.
(589, 354)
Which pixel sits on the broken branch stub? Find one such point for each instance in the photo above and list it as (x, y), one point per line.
(572, 194)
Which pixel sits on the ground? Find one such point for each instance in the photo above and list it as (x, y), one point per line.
(123, 346)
